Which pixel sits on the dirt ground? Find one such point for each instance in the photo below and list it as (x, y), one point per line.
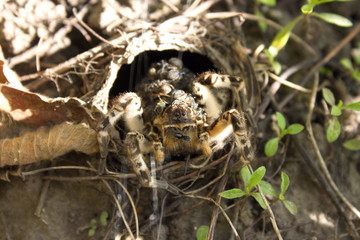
(63, 203)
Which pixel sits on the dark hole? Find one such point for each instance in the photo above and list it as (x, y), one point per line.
(130, 74)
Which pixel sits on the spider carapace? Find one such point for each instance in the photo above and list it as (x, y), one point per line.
(175, 113)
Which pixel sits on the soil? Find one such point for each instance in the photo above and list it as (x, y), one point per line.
(65, 203)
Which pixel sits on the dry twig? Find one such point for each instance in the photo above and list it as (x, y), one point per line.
(272, 216)
(354, 32)
(325, 172)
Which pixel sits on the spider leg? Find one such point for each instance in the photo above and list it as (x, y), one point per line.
(136, 145)
(204, 141)
(158, 150)
(105, 132)
(232, 123)
(103, 140)
(219, 91)
(127, 107)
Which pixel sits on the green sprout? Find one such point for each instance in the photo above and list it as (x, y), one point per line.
(94, 223)
(103, 218)
(251, 180)
(202, 232)
(282, 37)
(354, 70)
(262, 25)
(93, 227)
(353, 144)
(272, 145)
(334, 128)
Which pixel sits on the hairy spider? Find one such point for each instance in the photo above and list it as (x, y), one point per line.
(175, 113)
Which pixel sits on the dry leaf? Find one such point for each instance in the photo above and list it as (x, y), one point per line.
(33, 110)
(56, 124)
(48, 143)
(2, 75)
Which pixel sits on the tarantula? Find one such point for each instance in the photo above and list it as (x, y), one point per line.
(175, 113)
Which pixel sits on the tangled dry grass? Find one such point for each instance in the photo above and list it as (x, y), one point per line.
(131, 34)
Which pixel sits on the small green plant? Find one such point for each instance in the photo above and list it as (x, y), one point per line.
(202, 232)
(353, 69)
(251, 180)
(94, 224)
(353, 144)
(272, 145)
(282, 37)
(334, 128)
(257, 12)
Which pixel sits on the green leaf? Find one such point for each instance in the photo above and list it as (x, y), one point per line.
(271, 147)
(282, 37)
(285, 181)
(103, 218)
(245, 175)
(202, 232)
(259, 199)
(290, 206)
(326, 71)
(318, 2)
(281, 121)
(334, 19)
(356, 75)
(276, 66)
(255, 178)
(262, 24)
(93, 222)
(328, 96)
(307, 8)
(335, 110)
(270, 3)
(295, 128)
(271, 53)
(346, 63)
(333, 130)
(355, 53)
(353, 144)
(340, 104)
(91, 232)
(232, 193)
(353, 106)
(267, 189)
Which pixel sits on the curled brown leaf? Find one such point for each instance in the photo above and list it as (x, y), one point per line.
(2, 75)
(33, 110)
(46, 143)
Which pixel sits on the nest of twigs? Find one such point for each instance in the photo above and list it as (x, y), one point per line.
(95, 74)
(214, 37)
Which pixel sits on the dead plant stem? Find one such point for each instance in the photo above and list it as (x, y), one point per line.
(277, 26)
(84, 25)
(120, 210)
(319, 157)
(132, 205)
(323, 61)
(237, 236)
(288, 84)
(215, 213)
(41, 202)
(272, 216)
